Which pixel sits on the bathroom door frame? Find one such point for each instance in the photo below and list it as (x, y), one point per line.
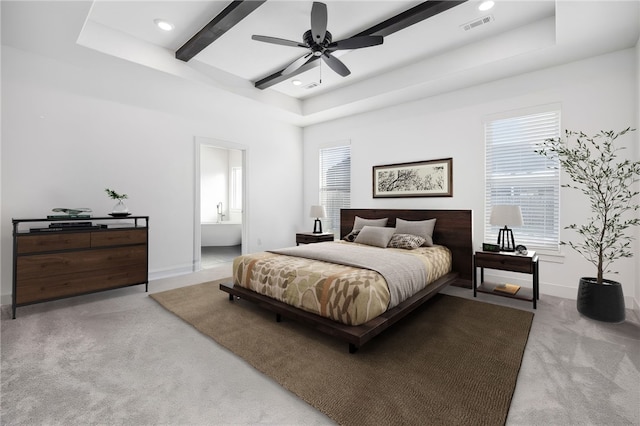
(197, 233)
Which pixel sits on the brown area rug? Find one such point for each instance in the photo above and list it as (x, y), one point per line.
(452, 361)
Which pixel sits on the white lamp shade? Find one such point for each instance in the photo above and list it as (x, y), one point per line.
(506, 215)
(317, 211)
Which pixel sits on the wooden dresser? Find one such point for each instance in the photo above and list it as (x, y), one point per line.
(53, 260)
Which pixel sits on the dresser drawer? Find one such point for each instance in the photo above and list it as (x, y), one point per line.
(308, 238)
(41, 288)
(503, 262)
(51, 265)
(115, 238)
(52, 242)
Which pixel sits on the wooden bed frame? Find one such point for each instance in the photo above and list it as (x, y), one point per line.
(453, 229)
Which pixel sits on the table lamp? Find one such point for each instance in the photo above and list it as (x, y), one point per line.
(317, 212)
(506, 215)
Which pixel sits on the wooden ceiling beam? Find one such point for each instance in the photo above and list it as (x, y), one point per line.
(396, 23)
(223, 22)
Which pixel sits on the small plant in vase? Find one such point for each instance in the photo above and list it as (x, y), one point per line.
(120, 209)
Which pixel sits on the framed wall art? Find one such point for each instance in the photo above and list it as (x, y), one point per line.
(432, 178)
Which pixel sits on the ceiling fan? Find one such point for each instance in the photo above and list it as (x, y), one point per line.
(318, 41)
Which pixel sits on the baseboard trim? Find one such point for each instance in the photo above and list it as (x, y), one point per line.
(5, 299)
(636, 309)
(632, 304)
(168, 273)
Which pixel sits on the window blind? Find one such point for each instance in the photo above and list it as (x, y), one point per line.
(335, 184)
(515, 174)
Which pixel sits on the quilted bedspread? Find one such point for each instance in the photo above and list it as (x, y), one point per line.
(346, 294)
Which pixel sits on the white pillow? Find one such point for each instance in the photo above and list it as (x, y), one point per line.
(421, 228)
(375, 236)
(361, 222)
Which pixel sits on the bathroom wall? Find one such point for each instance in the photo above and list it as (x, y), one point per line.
(215, 183)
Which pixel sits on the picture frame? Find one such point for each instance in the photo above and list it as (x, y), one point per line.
(431, 178)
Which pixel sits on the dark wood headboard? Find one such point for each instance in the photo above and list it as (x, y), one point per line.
(454, 229)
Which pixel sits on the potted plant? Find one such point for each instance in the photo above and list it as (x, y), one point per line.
(593, 166)
(120, 208)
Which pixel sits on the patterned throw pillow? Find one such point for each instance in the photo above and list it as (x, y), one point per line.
(406, 241)
(351, 236)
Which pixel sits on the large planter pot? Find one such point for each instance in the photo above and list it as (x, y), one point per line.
(602, 302)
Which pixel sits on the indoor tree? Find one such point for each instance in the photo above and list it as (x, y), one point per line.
(610, 184)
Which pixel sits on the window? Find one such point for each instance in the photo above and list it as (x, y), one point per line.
(236, 188)
(335, 184)
(515, 174)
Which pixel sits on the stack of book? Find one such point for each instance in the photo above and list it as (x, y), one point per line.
(507, 288)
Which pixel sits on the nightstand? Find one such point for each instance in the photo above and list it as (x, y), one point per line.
(506, 261)
(310, 237)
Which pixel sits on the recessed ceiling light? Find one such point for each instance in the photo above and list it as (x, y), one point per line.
(163, 25)
(296, 82)
(486, 5)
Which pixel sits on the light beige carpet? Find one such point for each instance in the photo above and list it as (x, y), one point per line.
(453, 361)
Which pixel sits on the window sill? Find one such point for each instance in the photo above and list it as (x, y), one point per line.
(552, 256)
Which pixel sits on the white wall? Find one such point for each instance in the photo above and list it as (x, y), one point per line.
(2, 217)
(71, 129)
(636, 304)
(594, 94)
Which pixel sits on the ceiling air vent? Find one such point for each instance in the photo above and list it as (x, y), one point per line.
(312, 85)
(477, 22)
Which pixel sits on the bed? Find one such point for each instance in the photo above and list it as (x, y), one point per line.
(384, 306)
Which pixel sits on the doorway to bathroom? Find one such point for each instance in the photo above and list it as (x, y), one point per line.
(220, 193)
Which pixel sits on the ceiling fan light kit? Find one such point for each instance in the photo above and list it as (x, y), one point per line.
(319, 43)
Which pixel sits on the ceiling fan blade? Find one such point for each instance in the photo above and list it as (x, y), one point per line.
(356, 43)
(336, 64)
(297, 63)
(318, 21)
(276, 40)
